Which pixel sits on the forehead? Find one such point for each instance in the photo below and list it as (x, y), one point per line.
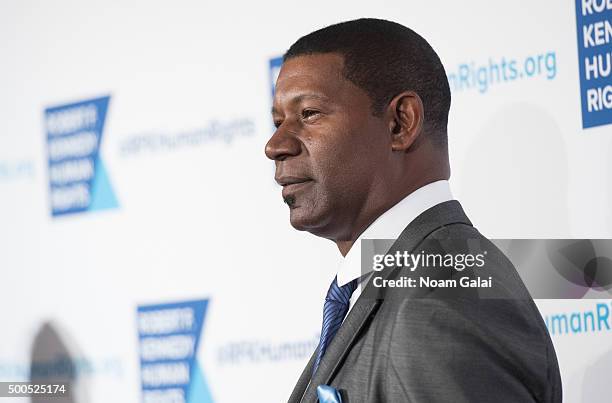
(319, 74)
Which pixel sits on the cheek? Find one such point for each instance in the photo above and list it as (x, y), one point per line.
(344, 157)
(354, 156)
(341, 174)
(330, 161)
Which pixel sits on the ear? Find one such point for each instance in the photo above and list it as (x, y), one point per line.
(406, 120)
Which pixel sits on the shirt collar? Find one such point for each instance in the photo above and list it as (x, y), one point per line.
(391, 223)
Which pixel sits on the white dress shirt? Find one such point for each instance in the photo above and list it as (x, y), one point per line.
(390, 225)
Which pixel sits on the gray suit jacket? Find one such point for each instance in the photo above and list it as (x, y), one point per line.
(392, 348)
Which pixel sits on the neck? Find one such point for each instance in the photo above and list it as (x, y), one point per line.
(368, 216)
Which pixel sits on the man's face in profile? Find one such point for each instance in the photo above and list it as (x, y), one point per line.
(328, 147)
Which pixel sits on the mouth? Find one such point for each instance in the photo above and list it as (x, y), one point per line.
(286, 181)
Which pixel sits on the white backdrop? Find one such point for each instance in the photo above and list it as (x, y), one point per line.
(203, 219)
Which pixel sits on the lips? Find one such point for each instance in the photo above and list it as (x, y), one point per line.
(291, 180)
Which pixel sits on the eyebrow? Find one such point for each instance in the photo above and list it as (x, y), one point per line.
(301, 97)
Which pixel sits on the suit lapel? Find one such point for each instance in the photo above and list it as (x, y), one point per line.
(369, 301)
(341, 344)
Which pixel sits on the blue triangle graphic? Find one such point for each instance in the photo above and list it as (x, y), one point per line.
(198, 390)
(102, 195)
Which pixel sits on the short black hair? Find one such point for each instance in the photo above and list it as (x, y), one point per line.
(385, 58)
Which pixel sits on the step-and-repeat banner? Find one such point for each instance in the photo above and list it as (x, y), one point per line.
(146, 252)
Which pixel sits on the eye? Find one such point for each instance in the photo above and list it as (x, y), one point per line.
(277, 123)
(309, 114)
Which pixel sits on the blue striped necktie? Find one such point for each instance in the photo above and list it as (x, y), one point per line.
(336, 306)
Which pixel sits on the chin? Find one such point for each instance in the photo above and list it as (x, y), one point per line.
(303, 219)
(299, 220)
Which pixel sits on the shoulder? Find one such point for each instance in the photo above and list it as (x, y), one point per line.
(495, 337)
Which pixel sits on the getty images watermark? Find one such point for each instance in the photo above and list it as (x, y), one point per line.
(413, 261)
(549, 268)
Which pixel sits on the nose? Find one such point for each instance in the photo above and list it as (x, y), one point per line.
(282, 145)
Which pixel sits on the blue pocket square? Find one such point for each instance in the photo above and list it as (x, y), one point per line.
(328, 394)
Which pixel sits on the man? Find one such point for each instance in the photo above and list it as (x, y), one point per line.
(360, 147)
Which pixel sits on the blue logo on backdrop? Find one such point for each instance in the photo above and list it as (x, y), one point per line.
(169, 336)
(594, 28)
(77, 177)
